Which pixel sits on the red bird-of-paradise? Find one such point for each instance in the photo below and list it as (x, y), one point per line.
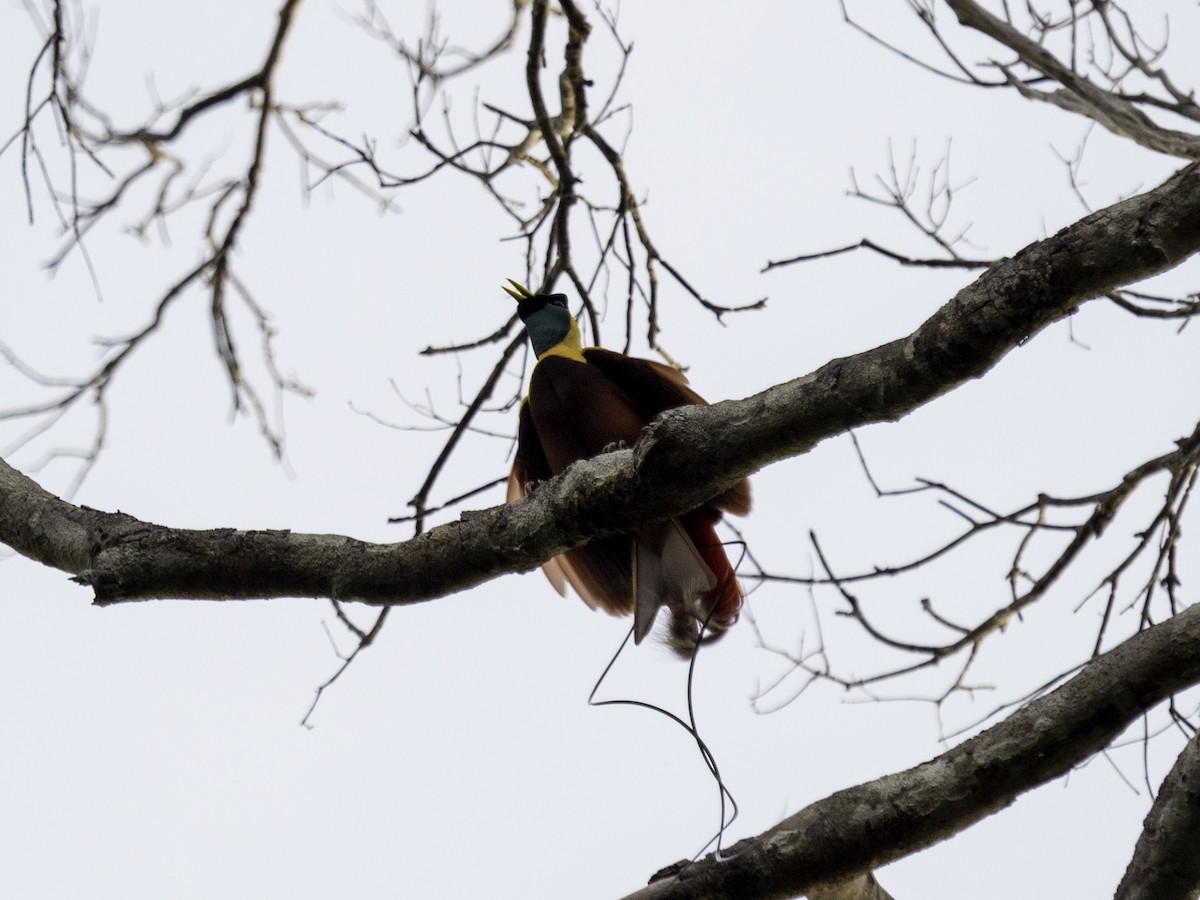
(582, 400)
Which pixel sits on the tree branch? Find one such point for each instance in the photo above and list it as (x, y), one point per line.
(860, 887)
(864, 827)
(1165, 863)
(686, 457)
(1078, 94)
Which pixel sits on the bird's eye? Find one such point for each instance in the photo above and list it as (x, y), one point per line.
(558, 300)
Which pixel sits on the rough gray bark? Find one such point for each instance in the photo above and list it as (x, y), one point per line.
(1166, 861)
(864, 827)
(861, 887)
(686, 457)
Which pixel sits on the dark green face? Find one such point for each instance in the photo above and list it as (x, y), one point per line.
(547, 320)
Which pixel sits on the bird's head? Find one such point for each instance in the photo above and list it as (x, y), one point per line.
(547, 320)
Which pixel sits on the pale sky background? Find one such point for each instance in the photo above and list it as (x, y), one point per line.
(154, 750)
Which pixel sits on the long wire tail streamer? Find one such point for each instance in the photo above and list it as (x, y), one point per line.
(729, 807)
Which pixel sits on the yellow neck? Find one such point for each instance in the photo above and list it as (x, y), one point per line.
(570, 347)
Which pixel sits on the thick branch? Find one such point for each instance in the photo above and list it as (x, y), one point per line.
(684, 458)
(867, 826)
(860, 887)
(1165, 864)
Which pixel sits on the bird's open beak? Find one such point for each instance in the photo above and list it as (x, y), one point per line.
(518, 291)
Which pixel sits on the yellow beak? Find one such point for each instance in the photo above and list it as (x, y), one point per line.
(518, 291)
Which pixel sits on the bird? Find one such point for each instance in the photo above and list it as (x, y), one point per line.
(582, 401)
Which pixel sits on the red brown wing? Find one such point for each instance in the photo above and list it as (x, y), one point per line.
(578, 411)
(574, 411)
(529, 462)
(529, 466)
(653, 386)
(656, 388)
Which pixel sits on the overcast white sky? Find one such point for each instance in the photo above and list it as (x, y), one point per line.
(154, 750)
